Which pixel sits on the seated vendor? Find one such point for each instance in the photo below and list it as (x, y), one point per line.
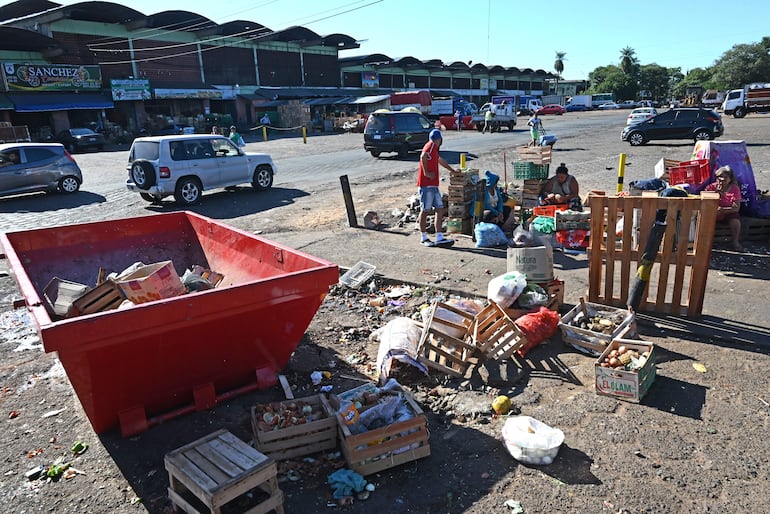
(562, 189)
(494, 201)
(729, 203)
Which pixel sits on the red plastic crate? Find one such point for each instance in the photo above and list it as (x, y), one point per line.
(548, 210)
(690, 172)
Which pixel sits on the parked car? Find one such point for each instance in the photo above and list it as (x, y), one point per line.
(575, 108)
(627, 104)
(401, 132)
(30, 167)
(608, 106)
(681, 123)
(646, 103)
(80, 139)
(641, 114)
(185, 166)
(551, 109)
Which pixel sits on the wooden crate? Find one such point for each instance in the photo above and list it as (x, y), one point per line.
(444, 344)
(536, 154)
(459, 225)
(463, 176)
(589, 339)
(619, 383)
(218, 471)
(297, 440)
(387, 447)
(555, 290)
(104, 297)
(459, 210)
(677, 280)
(461, 194)
(495, 334)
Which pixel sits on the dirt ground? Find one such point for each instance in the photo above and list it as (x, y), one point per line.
(696, 443)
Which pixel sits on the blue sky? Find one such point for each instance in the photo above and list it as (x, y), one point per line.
(509, 32)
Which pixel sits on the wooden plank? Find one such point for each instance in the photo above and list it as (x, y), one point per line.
(286, 387)
(629, 211)
(595, 250)
(704, 240)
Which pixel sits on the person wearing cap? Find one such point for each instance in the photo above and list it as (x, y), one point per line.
(562, 189)
(493, 198)
(235, 137)
(427, 184)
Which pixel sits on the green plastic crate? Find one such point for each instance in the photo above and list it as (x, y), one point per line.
(529, 170)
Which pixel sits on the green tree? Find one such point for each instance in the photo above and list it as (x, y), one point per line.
(654, 80)
(611, 79)
(742, 64)
(558, 64)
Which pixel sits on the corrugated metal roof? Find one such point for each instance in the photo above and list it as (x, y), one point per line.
(370, 99)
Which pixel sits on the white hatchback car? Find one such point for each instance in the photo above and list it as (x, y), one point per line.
(641, 114)
(186, 165)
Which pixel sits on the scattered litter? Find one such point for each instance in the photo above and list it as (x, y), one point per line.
(316, 377)
(515, 506)
(345, 482)
(79, 448)
(699, 367)
(13, 414)
(398, 292)
(52, 413)
(327, 388)
(357, 275)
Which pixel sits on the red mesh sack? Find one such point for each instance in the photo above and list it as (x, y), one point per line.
(537, 327)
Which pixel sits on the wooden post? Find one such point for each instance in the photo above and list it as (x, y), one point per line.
(349, 207)
(462, 161)
(304, 135)
(264, 132)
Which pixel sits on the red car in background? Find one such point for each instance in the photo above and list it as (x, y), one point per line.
(551, 109)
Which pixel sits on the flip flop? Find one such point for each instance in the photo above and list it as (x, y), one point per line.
(445, 243)
(428, 243)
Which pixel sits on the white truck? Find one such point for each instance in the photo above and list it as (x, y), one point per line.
(584, 100)
(504, 115)
(752, 98)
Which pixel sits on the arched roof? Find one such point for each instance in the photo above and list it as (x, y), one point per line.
(496, 69)
(102, 12)
(360, 60)
(23, 8)
(407, 61)
(242, 28)
(15, 39)
(479, 67)
(340, 41)
(458, 65)
(294, 33)
(513, 69)
(179, 20)
(433, 63)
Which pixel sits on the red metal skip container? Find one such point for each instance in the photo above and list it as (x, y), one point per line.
(137, 366)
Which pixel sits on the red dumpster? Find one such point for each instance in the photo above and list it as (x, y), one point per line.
(137, 366)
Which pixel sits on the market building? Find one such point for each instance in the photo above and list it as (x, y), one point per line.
(110, 67)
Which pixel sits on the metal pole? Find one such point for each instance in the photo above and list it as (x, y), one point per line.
(462, 161)
(264, 132)
(621, 171)
(304, 135)
(349, 207)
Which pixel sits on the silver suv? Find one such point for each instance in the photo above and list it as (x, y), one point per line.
(184, 166)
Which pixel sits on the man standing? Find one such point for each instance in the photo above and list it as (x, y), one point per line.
(459, 116)
(430, 196)
(535, 128)
(488, 117)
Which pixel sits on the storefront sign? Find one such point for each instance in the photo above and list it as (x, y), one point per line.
(370, 79)
(51, 77)
(130, 89)
(188, 93)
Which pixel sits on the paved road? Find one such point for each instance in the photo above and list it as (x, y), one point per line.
(588, 143)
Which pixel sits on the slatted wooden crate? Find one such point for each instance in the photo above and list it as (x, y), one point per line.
(297, 440)
(591, 339)
(376, 450)
(104, 297)
(677, 282)
(752, 229)
(459, 225)
(461, 194)
(445, 342)
(459, 209)
(495, 334)
(463, 176)
(536, 154)
(531, 191)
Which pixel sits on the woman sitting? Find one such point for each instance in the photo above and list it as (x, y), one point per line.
(729, 203)
(494, 201)
(562, 189)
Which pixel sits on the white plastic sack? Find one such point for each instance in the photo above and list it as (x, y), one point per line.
(504, 289)
(531, 441)
(399, 339)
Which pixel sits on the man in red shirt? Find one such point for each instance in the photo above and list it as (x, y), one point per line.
(430, 196)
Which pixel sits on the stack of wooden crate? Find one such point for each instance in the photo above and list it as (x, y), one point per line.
(464, 189)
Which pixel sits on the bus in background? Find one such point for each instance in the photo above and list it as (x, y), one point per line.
(602, 98)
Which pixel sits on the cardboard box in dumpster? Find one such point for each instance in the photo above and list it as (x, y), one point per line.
(152, 282)
(61, 294)
(621, 383)
(536, 262)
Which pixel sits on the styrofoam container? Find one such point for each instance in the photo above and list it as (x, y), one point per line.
(531, 441)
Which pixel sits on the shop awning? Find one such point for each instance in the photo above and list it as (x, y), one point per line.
(370, 99)
(325, 101)
(39, 102)
(5, 103)
(271, 103)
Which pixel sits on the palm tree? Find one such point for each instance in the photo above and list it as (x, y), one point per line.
(628, 60)
(558, 65)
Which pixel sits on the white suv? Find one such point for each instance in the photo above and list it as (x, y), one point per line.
(184, 166)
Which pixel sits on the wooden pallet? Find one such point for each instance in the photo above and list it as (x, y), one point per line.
(444, 344)
(495, 334)
(677, 282)
(752, 229)
(536, 154)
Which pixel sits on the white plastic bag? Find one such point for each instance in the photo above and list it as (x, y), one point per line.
(504, 289)
(531, 441)
(399, 339)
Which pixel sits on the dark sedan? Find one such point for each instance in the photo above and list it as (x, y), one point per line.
(80, 139)
(575, 108)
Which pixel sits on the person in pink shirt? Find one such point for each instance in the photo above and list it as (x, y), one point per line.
(729, 202)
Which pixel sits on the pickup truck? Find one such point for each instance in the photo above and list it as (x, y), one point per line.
(504, 116)
(752, 98)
